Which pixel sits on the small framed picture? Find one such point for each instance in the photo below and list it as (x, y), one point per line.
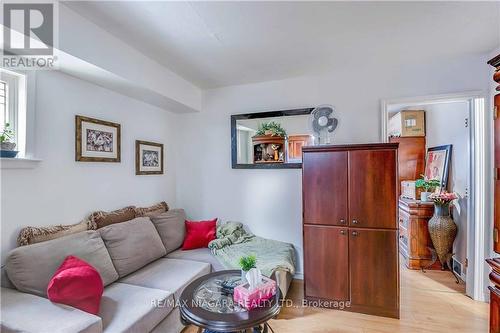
(148, 158)
(438, 163)
(96, 140)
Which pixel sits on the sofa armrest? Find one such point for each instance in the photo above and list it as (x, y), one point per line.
(21, 312)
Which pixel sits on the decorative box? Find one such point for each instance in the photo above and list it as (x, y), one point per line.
(253, 298)
(409, 191)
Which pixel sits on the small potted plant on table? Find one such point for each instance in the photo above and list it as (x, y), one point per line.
(7, 145)
(429, 185)
(246, 264)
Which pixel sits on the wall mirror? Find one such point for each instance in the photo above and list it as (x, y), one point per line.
(270, 140)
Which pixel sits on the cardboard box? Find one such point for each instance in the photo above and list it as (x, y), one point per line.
(409, 191)
(407, 123)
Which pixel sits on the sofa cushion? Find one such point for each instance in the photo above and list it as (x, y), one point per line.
(201, 255)
(199, 234)
(32, 235)
(168, 274)
(5, 281)
(31, 267)
(101, 219)
(151, 211)
(170, 226)
(132, 244)
(129, 308)
(171, 324)
(78, 284)
(23, 312)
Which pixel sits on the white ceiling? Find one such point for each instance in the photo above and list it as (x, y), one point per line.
(216, 44)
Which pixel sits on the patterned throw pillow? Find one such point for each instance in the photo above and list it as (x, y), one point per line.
(151, 211)
(101, 219)
(32, 235)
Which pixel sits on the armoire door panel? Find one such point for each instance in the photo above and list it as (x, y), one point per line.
(372, 189)
(326, 262)
(374, 268)
(324, 188)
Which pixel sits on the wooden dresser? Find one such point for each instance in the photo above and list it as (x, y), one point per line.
(414, 238)
(411, 157)
(350, 228)
(495, 263)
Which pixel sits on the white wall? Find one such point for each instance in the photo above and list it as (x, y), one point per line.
(445, 126)
(62, 191)
(269, 201)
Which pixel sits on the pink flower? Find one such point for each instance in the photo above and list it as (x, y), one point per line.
(443, 198)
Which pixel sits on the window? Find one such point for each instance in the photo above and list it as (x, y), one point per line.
(3, 102)
(13, 106)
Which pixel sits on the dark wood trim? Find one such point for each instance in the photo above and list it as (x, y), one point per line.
(362, 146)
(138, 144)
(370, 310)
(258, 115)
(495, 62)
(78, 140)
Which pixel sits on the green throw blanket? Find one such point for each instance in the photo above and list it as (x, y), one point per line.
(233, 242)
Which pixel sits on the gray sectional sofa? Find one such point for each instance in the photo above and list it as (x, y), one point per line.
(142, 268)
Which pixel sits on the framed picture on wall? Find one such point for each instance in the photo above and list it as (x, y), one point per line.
(97, 140)
(437, 164)
(148, 158)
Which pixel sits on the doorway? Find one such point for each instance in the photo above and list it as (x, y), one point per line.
(460, 120)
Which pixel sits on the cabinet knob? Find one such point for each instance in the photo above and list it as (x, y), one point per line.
(342, 232)
(354, 221)
(342, 221)
(355, 233)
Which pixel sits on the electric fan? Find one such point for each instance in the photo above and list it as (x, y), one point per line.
(323, 124)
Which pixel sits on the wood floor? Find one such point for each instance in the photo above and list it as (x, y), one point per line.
(430, 302)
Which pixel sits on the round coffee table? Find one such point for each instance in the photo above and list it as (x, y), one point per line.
(207, 305)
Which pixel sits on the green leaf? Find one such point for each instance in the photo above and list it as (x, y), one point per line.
(248, 262)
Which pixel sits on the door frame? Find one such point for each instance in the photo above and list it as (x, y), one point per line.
(480, 182)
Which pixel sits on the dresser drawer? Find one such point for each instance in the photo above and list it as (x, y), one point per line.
(403, 238)
(404, 219)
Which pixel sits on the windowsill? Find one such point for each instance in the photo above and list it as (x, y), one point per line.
(18, 163)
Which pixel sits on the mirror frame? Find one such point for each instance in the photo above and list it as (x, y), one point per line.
(259, 115)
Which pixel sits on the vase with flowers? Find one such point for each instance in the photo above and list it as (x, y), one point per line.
(442, 228)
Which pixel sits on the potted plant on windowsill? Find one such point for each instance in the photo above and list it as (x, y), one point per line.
(7, 145)
(429, 185)
(246, 264)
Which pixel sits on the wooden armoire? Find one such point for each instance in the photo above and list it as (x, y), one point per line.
(350, 227)
(495, 262)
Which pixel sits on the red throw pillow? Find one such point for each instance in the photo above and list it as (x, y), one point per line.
(78, 284)
(199, 234)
